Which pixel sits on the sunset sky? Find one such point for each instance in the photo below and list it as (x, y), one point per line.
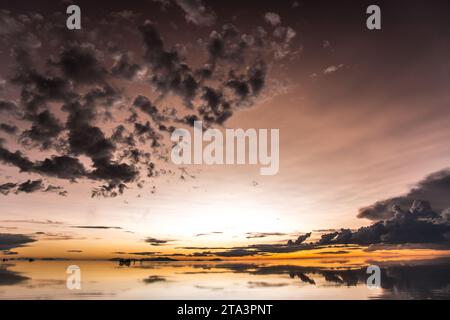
(363, 118)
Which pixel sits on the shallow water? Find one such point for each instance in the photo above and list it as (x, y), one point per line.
(294, 279)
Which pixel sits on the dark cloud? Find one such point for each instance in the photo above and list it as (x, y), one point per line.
(157, 242)
(7, 106)
(300, 239)
(144, 104)
(419, 224)
(10, 129)
(124, 67)
(6, 188)
(63, 167)
(334, 252)
(30, 186)
(11, 241)
(237, 253)
(435, 188)
(81, 63)
(67, 98)
(45, 128)
(16, 159)
(170, 74)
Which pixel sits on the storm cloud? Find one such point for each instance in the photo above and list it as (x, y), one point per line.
(435, 188)
(66, 100)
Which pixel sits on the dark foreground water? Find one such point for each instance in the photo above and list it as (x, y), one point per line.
(298, 279)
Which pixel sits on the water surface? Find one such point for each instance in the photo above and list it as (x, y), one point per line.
(293, 279)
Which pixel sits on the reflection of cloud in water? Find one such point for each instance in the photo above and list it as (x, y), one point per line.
(9, 278)
(47, 283)
(209, 288)
(409, 280)
(262, 284)
(262, 279)
(153, 279)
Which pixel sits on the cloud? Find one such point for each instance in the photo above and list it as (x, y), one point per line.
(300, 239)
(196, 12)
(97, 227)
(6, 188)
(10, 129)
(157, 242)
(144, 253)
(7, 106)
(48, 222)
(253, 235)
(124, 67)
(63, 167)
(435, 188)
(334, 252)
(68, 101)
(51, 236)
(30, 186)
(45, 128)
(10, 241)
(208, 233)
(81, 62)
(419, 224)
(332, 69)
(272, 18)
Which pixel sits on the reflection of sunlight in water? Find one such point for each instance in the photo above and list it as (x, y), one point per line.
(223, 280)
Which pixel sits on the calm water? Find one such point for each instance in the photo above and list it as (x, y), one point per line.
(299, 279)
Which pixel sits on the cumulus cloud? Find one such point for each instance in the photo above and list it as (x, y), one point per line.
(196, 12)
(435, 188)
(67, 99)
(81, 63)
(419, 224)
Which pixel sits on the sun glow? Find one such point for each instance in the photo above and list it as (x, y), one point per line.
(233, 218)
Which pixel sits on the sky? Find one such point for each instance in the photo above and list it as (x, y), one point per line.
(86, 117)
